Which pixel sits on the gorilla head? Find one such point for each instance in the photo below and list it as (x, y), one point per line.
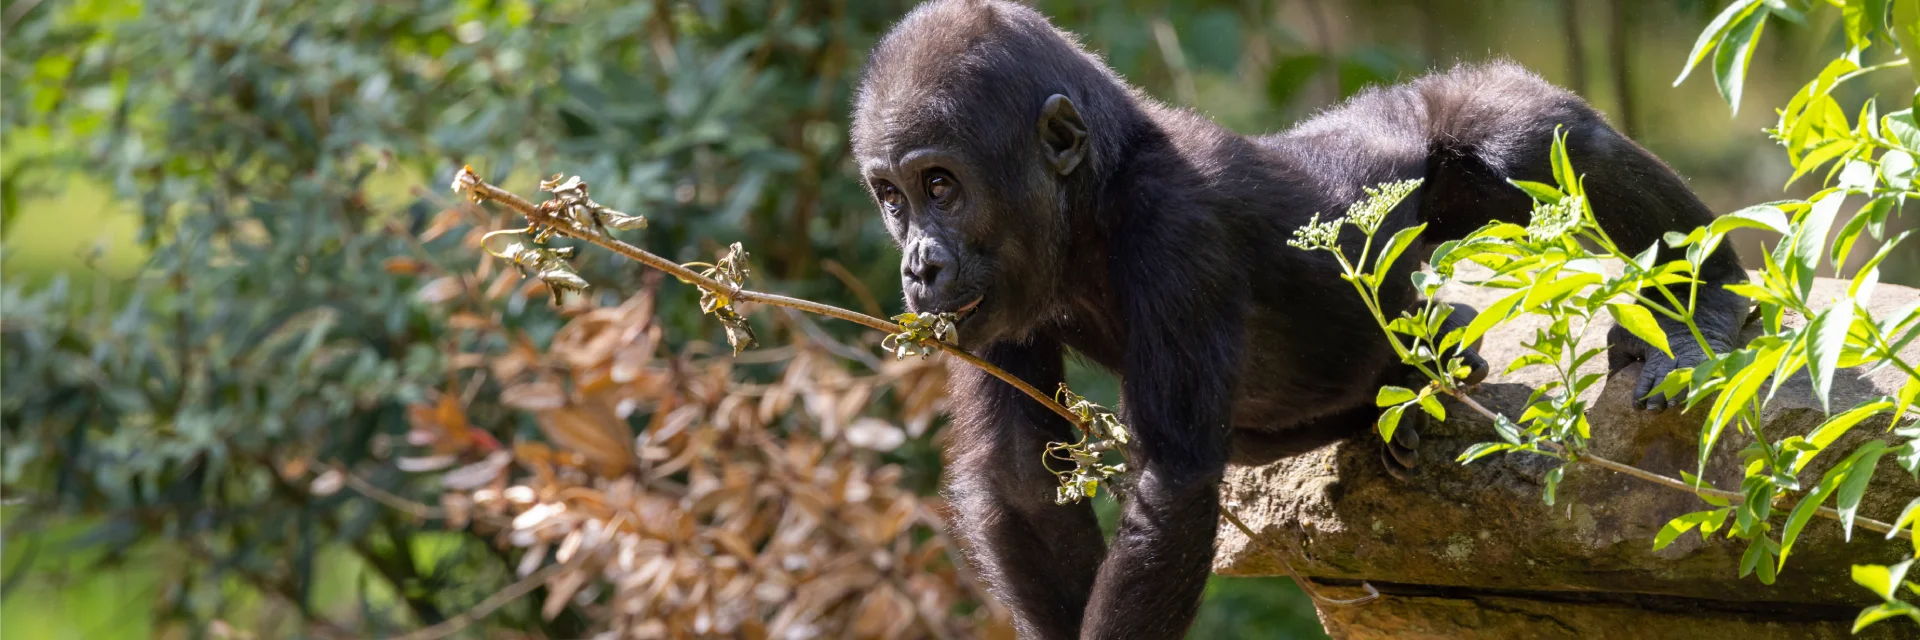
(980, 131)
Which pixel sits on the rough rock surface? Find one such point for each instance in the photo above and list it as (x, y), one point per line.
(1473, 551)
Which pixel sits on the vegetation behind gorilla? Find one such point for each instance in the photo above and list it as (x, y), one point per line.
(284, 294)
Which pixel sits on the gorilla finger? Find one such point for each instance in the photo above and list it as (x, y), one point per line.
(1395, 468)
(1408, 437)
(1645, 396)
(1477, 368)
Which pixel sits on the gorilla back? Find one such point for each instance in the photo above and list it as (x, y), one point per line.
(1056, 207)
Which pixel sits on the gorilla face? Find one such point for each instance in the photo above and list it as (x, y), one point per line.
(942, 219)
(977, 208)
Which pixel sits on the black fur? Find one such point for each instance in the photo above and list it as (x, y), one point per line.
(1085, 215)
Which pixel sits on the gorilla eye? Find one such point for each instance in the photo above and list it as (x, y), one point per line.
(941, 186)
(890, 197)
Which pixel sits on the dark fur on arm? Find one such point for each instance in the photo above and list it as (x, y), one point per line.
(1182, 360)
(1038, 557)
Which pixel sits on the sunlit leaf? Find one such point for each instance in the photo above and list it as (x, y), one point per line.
(1883, 611)
(1711, 36)
(1395, 246)
(1389, 421)
(1847, 497)
(1881, 580)
(1390, 395)
(1826, 338)
(1639, 321)
(1539, 192)
(1735, 51)
(1836, 426)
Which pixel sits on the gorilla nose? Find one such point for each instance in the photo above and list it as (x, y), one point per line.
(922, 269)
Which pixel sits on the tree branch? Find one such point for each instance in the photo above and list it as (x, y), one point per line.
(486, 607)
(480, 190)
(1671, 482)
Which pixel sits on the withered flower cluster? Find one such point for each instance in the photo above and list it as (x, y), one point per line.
(917, 333)
(736, 510)
(731, 271)
(1101, 432)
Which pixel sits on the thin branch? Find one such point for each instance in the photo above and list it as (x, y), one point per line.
(867, 301)
(486, 607)
(416, 509)
(1305, 585)
(482, 190)
(1674, 483)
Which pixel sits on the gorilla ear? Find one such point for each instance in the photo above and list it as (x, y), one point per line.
(1063, 133)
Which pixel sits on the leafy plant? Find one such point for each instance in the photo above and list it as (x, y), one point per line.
(1556, 269)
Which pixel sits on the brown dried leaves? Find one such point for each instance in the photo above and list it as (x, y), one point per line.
(739, 510)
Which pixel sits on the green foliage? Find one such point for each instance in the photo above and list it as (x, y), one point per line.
(1553, 266)
(285, 318)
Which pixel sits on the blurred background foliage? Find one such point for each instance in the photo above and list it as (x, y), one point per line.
(215, 279)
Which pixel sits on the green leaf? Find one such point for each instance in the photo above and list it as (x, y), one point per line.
(1481, 450)
(1897, 168)
(1881, 580)
(1390, 420)
(1563, 165)
(1553, 483)
(1843, 243)
(1870, 272)
(1391, 395)
(1759, 557)
(1900, 126)
(1683, 524)
(1544, 193)
(1493, 315)
(1908, 393)
(1810, 240)
(1431, 404)
(1880, 612)
(1809, 505)
(1826, 338)
(1908, 516)
(1639, 321)
(1763, 216)
(1401, 240)
(1847, 497)
(1714, 31)
(1738, 391)
(1836, 426)
(1863, 19)
(1544, 292)
(1506, 429)
(1736, 50)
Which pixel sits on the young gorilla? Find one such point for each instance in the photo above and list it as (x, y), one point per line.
(1031, 188)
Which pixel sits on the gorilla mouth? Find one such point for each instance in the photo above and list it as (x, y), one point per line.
(966, 310)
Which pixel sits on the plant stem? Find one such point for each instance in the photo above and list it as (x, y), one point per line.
(481, 190)
(1670, 482)
(1372, 593)
(486, 607)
